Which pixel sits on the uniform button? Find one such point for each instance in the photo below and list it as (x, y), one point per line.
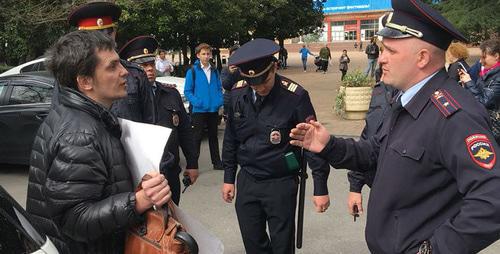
(404, 151)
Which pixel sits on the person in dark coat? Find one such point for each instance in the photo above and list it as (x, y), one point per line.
(380, 105)
(456, 54)
(256, 138)
(229, 76)
(169, 112)
(487, 88)
(80, 190)
(103, 17)
(436, 185)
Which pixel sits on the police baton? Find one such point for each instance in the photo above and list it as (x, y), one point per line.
(302, 194)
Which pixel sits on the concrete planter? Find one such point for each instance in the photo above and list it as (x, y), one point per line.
(357, 102)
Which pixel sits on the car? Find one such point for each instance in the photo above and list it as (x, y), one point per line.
(38, 65)
(17, 234)
(31, 66)
(25, 101)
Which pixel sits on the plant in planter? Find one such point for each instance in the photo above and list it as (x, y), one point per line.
(353, 99)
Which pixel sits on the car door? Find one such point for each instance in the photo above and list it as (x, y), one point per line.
(26, 104)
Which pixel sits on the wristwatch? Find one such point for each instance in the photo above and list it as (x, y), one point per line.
(425, 248)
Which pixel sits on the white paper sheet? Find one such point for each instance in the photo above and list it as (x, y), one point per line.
(144, 145)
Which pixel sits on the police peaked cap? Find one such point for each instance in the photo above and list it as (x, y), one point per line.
(417, 19)
(95, 16)
(141, 49)
(255, 57)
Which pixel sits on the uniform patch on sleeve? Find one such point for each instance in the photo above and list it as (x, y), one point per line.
(481, 150)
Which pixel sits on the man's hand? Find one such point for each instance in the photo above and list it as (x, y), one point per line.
(228, 192)
(155, 191)
(312, 136)
(192, 173)
(321, 203)
(355, 198)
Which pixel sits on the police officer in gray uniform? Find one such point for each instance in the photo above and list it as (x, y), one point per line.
(262, 110)
(436, 189)
(103, 17)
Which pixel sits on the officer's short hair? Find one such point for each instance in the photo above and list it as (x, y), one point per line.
(490, 47)
(75, 54)
(198, 49)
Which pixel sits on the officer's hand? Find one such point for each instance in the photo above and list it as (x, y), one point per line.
(312, 136)
(321, 203)
(355, 198)
(192, 173)
(228, 192)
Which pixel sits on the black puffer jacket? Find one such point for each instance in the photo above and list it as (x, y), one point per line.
(487, 89)
(80, 190)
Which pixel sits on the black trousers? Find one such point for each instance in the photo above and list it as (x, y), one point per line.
(268, 201)
(324, 65)
(199, 121)
(343, 74)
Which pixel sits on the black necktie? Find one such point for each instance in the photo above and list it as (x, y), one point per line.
(154, 90)
(258, 102)
(396, 108)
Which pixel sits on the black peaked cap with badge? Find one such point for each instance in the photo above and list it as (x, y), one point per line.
(255, 57)
(141, 49)
(417, 19)
(95, 16)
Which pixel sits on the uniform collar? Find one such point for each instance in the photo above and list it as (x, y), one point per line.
(418, 101)
(410, 93)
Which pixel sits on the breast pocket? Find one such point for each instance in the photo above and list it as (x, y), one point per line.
(243, 128)
(408, 151)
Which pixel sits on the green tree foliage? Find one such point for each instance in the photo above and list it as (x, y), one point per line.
(478, 20)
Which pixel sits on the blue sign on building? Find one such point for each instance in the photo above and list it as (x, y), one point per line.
(345, 6)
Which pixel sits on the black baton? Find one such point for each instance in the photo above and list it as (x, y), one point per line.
(302, 194)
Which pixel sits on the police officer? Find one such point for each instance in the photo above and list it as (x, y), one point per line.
(103, 17)
(169, 112)
(263, 108)
(436, 188)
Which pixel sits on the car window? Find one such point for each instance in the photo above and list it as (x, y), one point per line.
(25, 94)
(29, 68)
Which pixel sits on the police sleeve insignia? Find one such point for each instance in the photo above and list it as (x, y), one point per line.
(481, 150)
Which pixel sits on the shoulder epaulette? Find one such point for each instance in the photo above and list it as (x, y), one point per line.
(446, 104)
(292, 86)
(239, 84)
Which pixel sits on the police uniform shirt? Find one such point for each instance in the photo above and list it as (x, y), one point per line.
(258, 140)
(170, 113)
(437, 178)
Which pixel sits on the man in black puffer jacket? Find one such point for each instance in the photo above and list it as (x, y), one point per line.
(80, 190)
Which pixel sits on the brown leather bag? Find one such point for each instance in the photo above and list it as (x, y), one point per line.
(161, 233)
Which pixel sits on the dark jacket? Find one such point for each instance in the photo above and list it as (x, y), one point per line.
(436, 177)
(380, 105)
(170, 113)
(372, 50)
(136, 106)
(344, 63)
(248, 136)
(454, 67)
(80, 189)
(487, 89)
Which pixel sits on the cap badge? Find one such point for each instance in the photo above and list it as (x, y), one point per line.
(146, 51)
(251, 72)
(100, 22)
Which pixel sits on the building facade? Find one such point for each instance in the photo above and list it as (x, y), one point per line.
(352, 20)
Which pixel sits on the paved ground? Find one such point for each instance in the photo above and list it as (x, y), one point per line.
(332, 232)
